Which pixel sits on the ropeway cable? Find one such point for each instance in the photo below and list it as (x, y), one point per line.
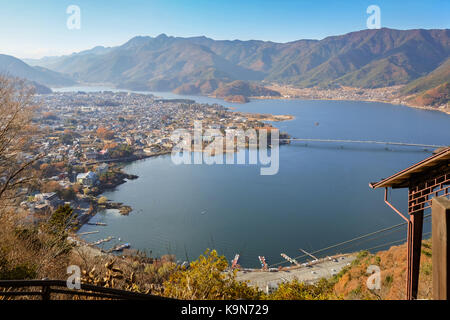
(351, 240)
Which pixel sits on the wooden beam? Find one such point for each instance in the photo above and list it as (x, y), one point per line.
(416, 247)
(440, 229)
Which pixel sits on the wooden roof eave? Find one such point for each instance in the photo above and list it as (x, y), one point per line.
(402, 178)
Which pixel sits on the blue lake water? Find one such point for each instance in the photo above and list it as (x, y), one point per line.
(319, 197)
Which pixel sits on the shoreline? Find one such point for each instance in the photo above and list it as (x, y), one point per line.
(121, 207)
(256, 116)
(309, 272)
(392, 102)
(446, 110)
(126, 209)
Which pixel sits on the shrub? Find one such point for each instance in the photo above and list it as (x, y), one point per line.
(102, 200)
(61, 219)
(426, 268)
(388, 280)
(362, 254)
(296, 290)
(68, 194)
(207, 279)
(22, 271)
(377, 260)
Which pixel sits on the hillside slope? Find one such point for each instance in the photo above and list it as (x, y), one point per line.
(392, 263)
(432, 89)
(17, 68)
(434, 79)
(434, 97)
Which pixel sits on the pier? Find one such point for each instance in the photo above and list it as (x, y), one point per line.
(97, 224)
(102, 241)
(293, 261)
(86, 233)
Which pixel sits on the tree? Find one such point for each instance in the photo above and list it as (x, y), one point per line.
(121, 151)
(24, 253)
(51, 186)
(16, 109)
(206, 279)
(110, 145)
(48, 170)
(49, 116)
(295, 290)
(67, 139)
(61, 219)
(104, 133)
(102, 200)
(77, 187)
(68, 194)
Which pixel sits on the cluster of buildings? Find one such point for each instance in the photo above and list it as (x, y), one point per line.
(387, 94)
(143, 122)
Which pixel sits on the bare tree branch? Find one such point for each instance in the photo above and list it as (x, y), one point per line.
(16, 110)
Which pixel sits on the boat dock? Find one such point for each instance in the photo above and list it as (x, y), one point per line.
(86, 233)
(120, 247)
(293, 261)
(234, 262)
(101, 241)
(97, 224)
(263, 261)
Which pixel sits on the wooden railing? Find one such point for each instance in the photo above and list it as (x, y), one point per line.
(11, 289)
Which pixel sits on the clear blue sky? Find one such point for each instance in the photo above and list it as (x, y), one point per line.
(36, 28)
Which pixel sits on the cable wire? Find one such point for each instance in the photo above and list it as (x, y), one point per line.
(349, 241)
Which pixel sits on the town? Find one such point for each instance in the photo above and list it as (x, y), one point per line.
(385, 94)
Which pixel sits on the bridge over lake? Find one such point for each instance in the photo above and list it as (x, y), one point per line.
(366, 142)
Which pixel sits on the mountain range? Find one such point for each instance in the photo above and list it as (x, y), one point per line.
(200, 65)
(38, 76)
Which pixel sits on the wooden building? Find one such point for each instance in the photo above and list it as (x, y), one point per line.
(425, 180)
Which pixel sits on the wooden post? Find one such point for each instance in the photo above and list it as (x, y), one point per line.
(440, 229)
(45, 293)
(416, 247)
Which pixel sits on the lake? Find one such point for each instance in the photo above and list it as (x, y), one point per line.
(319, 197)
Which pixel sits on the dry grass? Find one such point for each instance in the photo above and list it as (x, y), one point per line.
(392, 263)
(134, 272)
(26, 253)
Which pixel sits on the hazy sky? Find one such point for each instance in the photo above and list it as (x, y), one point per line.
(36, 28)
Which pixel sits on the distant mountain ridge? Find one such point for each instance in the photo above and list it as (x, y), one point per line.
(200, 65)
(367, 58)
(38, 75)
